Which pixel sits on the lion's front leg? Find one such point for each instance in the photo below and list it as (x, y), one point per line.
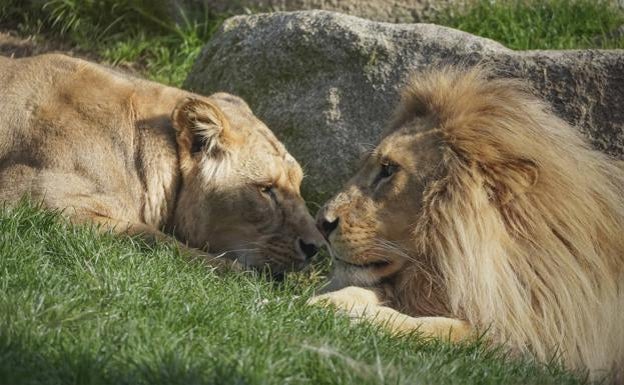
(436, 327)
(348, 298)
(364, 304)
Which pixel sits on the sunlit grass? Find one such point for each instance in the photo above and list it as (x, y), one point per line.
(541, 24)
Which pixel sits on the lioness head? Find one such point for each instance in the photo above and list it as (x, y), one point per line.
(240, 187)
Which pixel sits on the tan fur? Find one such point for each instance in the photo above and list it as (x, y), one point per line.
(140, 157)
(498, 214)
(360, 303)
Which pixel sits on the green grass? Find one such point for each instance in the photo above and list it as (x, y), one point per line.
(540, 24)
(139, 33)
(77, 307)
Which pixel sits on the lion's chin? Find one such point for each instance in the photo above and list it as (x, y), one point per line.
(374, 265)
(346, 273)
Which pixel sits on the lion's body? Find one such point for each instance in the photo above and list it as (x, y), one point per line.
(116, 150)
(516, 226)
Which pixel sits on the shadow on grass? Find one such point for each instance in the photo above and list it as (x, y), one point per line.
(22, 362)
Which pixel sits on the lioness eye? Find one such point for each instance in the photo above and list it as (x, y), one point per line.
(268, 190)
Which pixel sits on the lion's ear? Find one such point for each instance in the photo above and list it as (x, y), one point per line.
(201, 127)
(507, 180)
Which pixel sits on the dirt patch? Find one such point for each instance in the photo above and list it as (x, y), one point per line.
(13, 44)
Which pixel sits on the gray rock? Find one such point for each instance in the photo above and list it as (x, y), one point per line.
(326, 83)
(403, 11)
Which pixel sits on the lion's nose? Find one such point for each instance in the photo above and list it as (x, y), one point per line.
(327, 225)
(309, 250)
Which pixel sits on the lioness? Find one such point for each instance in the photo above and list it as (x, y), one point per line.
(481, 210)
(137, 157)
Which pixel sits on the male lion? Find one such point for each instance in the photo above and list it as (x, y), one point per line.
(136, 156)
(481, 210)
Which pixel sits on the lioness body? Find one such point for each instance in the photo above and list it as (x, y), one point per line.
(138, 156)
(70, 142)
(480, 210)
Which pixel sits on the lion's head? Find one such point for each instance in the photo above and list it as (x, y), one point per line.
(481, 204)
(240, 187)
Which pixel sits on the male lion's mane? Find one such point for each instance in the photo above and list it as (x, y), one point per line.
(523, 224)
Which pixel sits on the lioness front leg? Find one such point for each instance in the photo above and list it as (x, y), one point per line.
(152, 234)
(364, 304)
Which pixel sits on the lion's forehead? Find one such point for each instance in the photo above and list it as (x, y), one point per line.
(410, 148)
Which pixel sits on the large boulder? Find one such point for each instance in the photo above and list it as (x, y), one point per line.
(326, 83)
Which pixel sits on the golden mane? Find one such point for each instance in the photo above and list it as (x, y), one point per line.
(525, 222)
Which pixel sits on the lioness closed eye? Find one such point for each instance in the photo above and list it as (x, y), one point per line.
(136, 156)
(480, 209)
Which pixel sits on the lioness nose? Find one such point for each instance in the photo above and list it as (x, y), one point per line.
(326, 226)
(308, 249)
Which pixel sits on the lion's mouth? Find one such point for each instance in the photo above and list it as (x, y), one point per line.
(368, 265)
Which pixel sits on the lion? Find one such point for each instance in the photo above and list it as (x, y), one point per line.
(480, 211)
(138, 157)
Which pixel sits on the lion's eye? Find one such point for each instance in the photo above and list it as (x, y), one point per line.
(387, 170)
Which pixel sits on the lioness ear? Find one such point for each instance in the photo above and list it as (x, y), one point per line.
(201, 127)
